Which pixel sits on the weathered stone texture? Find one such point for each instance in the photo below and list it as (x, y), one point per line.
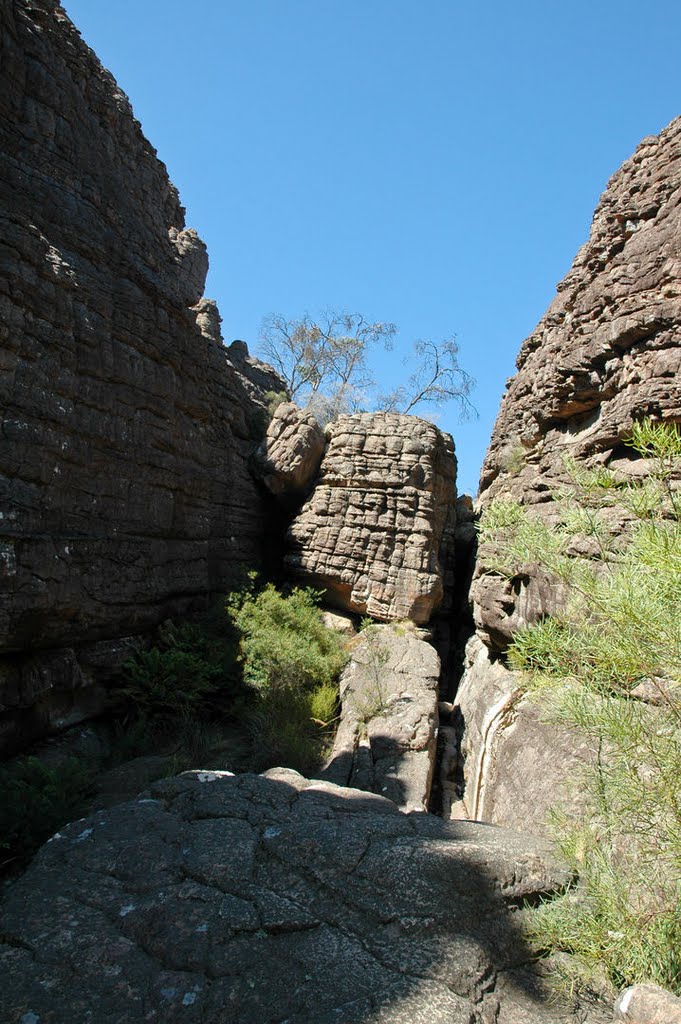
(288, 458)
(220, 898)
(515, 767)
(607, 353)
(648, 1004)
(387, 733)
(124, 488)
(370, 534)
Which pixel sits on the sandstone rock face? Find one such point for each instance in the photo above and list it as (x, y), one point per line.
(607, 353)
(370, 534)
(516, 767)
(124, 486)
(288, 459)
(220, 898)
(387, 734)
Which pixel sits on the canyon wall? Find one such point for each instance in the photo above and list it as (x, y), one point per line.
(125, 495)
(606, 354)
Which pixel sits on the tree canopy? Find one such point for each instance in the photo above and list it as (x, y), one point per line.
(323, 362)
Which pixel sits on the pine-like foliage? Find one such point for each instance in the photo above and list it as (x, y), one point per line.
(610, 664)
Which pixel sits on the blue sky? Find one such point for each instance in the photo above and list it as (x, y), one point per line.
(426, 162)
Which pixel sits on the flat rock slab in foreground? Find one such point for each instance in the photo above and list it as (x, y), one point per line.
(270, 898)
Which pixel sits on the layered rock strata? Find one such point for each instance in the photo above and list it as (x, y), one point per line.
(387, 733)
(216, 897)
(606, 354)
(124, 489)
(288, 458)
(371, 532)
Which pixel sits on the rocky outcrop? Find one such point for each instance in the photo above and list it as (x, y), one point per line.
(288, 458)
(126, 424)
(606, 354)
(216, 898)
(507, 764)
(370, 534)
(387, 734)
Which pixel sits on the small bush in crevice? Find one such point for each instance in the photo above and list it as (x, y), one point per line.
(292, 661)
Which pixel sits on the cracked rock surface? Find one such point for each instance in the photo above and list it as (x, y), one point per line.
(387, 734)
(220, 898)
(371, 532)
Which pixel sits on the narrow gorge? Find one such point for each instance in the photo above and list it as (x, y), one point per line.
(144, 468)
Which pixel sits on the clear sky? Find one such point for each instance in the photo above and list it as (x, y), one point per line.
(428, 162)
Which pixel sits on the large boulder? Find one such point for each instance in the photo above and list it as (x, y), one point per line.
(510, 766)
(124, 482)
(219, 898)
(370, 533)
(387, 734)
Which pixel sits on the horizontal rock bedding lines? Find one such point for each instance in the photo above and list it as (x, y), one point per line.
(606, 354)
(371, 531)
(127, 426)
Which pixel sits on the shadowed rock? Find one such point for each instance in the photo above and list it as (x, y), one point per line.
(221, 898)
(124, 483)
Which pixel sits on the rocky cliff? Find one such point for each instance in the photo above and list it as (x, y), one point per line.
(126, 425)
(606, 354)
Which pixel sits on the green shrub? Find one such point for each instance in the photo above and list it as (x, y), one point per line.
(292, 661)
(267, 660)
(192, 670)
(620, 630)
(284, 643)
(37, 800)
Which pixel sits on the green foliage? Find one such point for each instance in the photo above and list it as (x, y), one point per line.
(284, 643)
(620, 630)
(193, 668)
(324, 704)
(292, 661)
(37, 799)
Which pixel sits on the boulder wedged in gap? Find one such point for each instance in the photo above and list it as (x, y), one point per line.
(371, 531)
(288, 458)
